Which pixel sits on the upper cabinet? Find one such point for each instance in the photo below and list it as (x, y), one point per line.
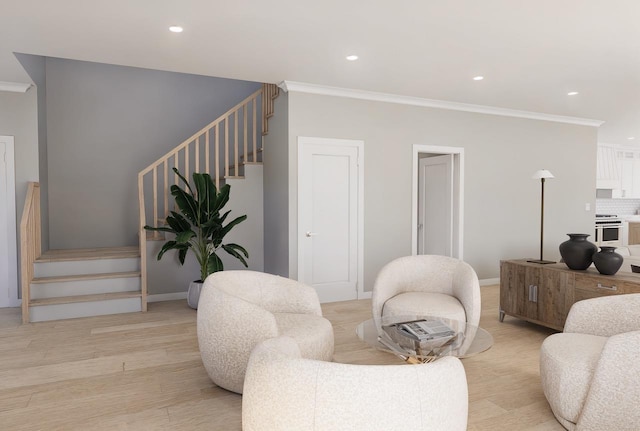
(619, 170)
(608, 169)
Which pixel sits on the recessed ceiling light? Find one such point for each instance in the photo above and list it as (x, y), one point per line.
(352, 57)
(478, 78)
(176, 29)
(572, 93)
(631, 138)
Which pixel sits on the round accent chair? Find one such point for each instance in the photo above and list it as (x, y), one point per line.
(590, 372)
(239, 309)
(284, 392)
(427, 285)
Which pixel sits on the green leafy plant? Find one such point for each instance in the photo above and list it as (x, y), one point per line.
(200, 227)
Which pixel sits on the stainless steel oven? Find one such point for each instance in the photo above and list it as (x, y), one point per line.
(608, 230)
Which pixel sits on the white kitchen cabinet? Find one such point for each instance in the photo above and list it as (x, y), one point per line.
(629, 162)
(608, 168)
(618, 169)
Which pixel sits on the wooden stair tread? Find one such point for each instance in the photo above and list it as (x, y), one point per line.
(80, 277)
(232, 177)
(156, 236)
(241, 164)
(89, 254)
(250, 153)
(83, 298)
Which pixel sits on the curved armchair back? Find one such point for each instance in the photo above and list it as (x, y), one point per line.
(605, 316)
(271, 292)
(239, 309)
(285, 392)
(429, 273)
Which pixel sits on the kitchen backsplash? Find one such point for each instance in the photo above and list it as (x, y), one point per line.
(617, 206)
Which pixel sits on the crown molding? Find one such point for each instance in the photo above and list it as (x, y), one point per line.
(14, 87)
(301, 87)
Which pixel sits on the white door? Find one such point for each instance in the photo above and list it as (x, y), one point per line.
(328, 217)
(8, 250)
(435, 205)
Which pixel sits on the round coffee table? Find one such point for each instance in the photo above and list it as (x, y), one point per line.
(464, 341)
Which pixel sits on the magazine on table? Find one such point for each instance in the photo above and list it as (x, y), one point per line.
(424, 330)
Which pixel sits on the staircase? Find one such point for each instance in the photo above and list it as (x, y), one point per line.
(87, 282)
(63, 284)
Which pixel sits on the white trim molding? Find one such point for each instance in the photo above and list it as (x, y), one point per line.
(489, 281)
(302, 87)
(14, 87)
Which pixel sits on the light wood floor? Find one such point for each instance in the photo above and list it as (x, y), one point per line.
(143, 372)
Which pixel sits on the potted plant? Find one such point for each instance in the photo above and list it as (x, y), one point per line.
(200, 227)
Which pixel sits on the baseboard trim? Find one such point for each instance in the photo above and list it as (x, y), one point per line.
(490, 281)
(159, 297)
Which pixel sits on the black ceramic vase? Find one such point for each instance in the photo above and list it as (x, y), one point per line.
(607, 261)
(577, 251)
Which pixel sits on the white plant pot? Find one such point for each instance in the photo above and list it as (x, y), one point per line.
(193, 295)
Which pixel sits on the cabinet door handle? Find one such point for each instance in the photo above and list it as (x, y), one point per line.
(535, 293)
(612, 288)
(530, 291)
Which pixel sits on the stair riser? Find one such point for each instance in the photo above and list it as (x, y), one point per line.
(96, 266)
(84, 287)
(84, 309)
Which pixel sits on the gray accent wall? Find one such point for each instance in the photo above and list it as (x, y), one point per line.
(276, 190)
(501, 201)
(105, 123)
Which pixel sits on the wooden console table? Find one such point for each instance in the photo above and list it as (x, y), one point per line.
(543, 294)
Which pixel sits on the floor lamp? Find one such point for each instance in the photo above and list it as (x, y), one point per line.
(542, 174)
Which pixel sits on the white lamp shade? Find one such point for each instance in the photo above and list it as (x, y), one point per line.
(542, 173)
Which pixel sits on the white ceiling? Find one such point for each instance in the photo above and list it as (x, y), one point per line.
(531, 52)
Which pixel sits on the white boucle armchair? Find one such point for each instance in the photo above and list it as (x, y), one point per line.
(591, 372)
(427, 285)
(284, 392)
(239, 309)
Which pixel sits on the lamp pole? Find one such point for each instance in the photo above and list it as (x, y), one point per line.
(542, 174)
(541, 219)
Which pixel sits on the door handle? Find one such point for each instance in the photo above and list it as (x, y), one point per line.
(310, 234)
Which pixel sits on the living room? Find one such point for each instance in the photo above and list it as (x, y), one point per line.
(509, 127)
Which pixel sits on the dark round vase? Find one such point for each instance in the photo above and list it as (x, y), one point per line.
(577, 251)
(607, 261)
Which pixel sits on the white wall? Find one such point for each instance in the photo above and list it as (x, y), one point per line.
(35, 66)
(502, 202)
(19, 118)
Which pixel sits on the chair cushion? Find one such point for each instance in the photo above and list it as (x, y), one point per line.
(567, 364)
(314, 334)
(424, 304)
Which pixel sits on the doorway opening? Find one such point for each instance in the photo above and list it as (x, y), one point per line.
(437, 202)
